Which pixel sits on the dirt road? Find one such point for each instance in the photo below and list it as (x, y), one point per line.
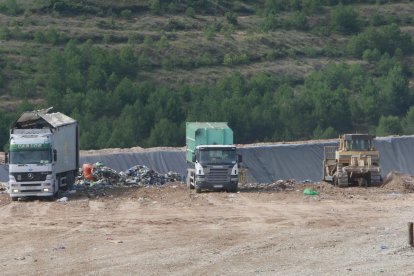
(168, 231)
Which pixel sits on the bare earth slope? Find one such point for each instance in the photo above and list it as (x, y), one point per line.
(169, 230)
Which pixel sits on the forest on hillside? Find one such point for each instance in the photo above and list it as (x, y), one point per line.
(137, 87)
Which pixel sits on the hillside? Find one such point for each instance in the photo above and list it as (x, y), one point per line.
(132, 72)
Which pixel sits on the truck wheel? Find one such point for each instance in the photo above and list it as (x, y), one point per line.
(198, 189)
(233, 189)
(14, 198)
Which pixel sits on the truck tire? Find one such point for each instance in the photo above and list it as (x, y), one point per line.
(14, 198)
(233, 189)
(197, 188)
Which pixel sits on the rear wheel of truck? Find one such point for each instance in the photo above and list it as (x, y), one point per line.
(14, 198)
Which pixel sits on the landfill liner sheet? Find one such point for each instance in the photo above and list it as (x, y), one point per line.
(264, 163)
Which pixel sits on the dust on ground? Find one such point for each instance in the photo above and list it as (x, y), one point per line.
(170, 230)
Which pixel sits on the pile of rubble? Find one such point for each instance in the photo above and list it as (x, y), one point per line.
(399, 182)
(98, 176)
(280, 185)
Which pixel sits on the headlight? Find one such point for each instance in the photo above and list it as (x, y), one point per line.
(15, 191)
(46, 190)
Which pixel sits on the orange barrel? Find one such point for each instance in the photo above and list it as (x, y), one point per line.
(87, 171)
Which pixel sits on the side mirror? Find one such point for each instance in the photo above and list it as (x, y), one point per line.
(54, 155)
(6, 157)
(193, 157)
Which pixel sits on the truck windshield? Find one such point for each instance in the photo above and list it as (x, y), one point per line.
(217, 156)
(359, 144)
(43, 156)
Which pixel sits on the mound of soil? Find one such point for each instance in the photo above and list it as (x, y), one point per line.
(397, 181)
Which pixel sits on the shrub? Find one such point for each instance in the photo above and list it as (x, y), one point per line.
(386, 39)
(190, 12)
(10, 7)
(297, 21)
(269, 23)
(345, 20)
(127, 14)
(231, 18)
(4, 33)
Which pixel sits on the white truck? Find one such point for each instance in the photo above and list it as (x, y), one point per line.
(43, 155)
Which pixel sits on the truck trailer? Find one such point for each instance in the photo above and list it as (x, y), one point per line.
(212, 158)
(44, 154)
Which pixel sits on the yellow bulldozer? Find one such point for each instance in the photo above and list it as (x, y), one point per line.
(355, 161)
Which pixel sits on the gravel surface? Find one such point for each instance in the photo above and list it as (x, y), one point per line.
(170, 230)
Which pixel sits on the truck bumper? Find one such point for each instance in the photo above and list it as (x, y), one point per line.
(26, 194)
(203, 185)
(13, 192)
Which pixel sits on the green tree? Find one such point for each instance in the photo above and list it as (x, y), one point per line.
(127, 14)
(155, 6)
(394, 92)
(166, 133)
(345, 19)
(388, 125)
(408, 122)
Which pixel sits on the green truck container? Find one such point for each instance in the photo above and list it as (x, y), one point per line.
(212, 155)
(204, 133)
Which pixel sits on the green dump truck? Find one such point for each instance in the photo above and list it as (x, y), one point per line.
(214, 163)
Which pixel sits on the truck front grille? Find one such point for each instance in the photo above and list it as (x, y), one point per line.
(30, 176)
(217, 176)
(31, 191)
(31, 185)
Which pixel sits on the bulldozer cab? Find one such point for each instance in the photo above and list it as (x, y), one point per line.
(356, 142)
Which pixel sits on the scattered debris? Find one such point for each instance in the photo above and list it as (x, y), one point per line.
(63, 199)
(280, 185)
(59, 247)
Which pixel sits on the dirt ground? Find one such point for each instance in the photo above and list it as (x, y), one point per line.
(171, 231)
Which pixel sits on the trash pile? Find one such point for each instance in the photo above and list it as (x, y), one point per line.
(145, 176)
(280, 185)
(100, 176)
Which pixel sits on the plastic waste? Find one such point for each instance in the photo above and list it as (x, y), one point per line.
(308, 191)
(87, 171)
(63, 199)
